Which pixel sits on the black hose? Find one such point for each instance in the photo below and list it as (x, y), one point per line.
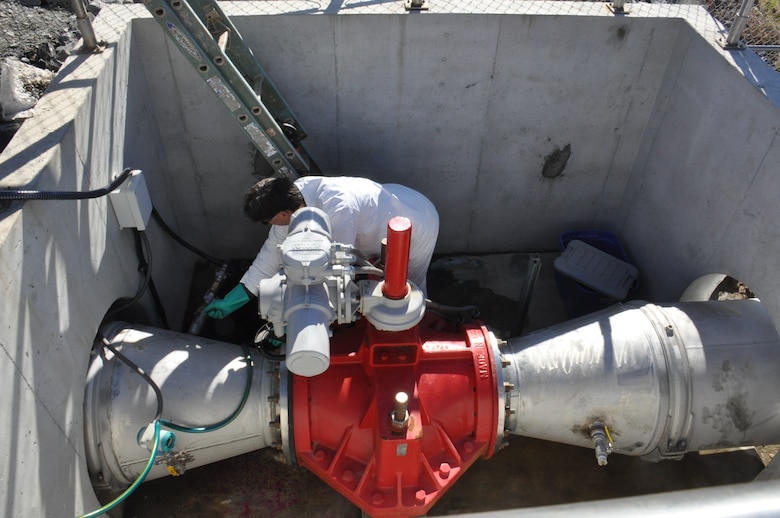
(19, 194)
(143, 266)
(265, 346)
(182, 242)
(147, 270)
(458, 313)
(266, 350)
(127, 361)
(158, 393)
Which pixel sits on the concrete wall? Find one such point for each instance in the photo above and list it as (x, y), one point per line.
(62, 264)
(664, 129)
(671, 146)
(703, 193)
(464, 108)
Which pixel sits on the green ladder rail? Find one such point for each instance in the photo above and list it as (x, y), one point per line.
(208, 40)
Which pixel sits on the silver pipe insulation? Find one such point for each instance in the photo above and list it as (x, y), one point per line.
(663, 379)
(759, 499)
(202, 381)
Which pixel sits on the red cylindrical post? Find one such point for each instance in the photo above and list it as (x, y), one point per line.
(399, 238)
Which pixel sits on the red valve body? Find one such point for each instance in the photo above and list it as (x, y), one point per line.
(343, 418)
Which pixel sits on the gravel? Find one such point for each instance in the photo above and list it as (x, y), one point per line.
(38, 33)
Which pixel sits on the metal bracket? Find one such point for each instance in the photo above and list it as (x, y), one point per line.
(724, 43)
(618, 8)
(416, 5)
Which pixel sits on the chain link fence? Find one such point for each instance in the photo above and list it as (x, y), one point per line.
(761, 23)
(762, 28)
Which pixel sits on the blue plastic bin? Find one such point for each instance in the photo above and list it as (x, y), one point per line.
(577, 299)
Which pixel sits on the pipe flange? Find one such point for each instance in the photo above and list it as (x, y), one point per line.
(507, 417)
(275, 408)
(285, 414)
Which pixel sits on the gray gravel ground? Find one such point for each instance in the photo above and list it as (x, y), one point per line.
(37, 32)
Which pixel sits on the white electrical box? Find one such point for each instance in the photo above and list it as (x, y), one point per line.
(131, 202)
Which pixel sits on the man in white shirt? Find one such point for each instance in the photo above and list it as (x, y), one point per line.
(359, 210)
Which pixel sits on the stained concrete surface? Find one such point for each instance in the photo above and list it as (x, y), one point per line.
(527, 473)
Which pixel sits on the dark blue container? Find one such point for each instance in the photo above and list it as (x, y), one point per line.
(577, 299)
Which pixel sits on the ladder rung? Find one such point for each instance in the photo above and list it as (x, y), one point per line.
(207, 38)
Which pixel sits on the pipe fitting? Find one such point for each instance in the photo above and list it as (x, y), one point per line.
(620, 366)
(602, 444)
(400, 416)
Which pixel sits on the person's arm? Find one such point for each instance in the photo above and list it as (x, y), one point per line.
(344, 225)
(265, 265)
(236, 298)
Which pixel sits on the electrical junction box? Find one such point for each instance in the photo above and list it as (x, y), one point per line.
(131, 202)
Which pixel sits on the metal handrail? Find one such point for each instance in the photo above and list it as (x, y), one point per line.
(85, 26)
(735, 32)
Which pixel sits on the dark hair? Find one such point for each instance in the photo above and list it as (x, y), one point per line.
(270, 196)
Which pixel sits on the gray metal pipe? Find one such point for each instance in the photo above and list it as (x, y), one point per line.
(202, 381)
(84, 25)
(738, 26)
(653, 380)
(663, 379)
(200, 317)
(756, 500)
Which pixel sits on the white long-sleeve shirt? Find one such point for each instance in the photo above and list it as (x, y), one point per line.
(359, 210)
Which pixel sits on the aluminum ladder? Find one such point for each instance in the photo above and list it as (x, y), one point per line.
(210, 42)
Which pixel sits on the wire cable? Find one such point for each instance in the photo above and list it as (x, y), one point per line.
(229, 419)
(138, 370)
(158, 422)
(158, 394)
(145, 264)
(145, 281)
(21, 194)
(176, 237)
(459, 313)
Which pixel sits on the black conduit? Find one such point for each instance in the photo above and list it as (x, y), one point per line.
(144, 266)
(18, 194)
(182, 242)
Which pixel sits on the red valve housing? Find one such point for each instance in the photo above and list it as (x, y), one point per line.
(343, 418)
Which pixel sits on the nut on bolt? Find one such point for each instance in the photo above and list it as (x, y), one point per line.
(602, 443)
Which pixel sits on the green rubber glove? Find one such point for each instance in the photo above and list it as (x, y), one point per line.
(221, 308)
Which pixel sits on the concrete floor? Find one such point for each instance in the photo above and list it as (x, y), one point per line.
(528, 473)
